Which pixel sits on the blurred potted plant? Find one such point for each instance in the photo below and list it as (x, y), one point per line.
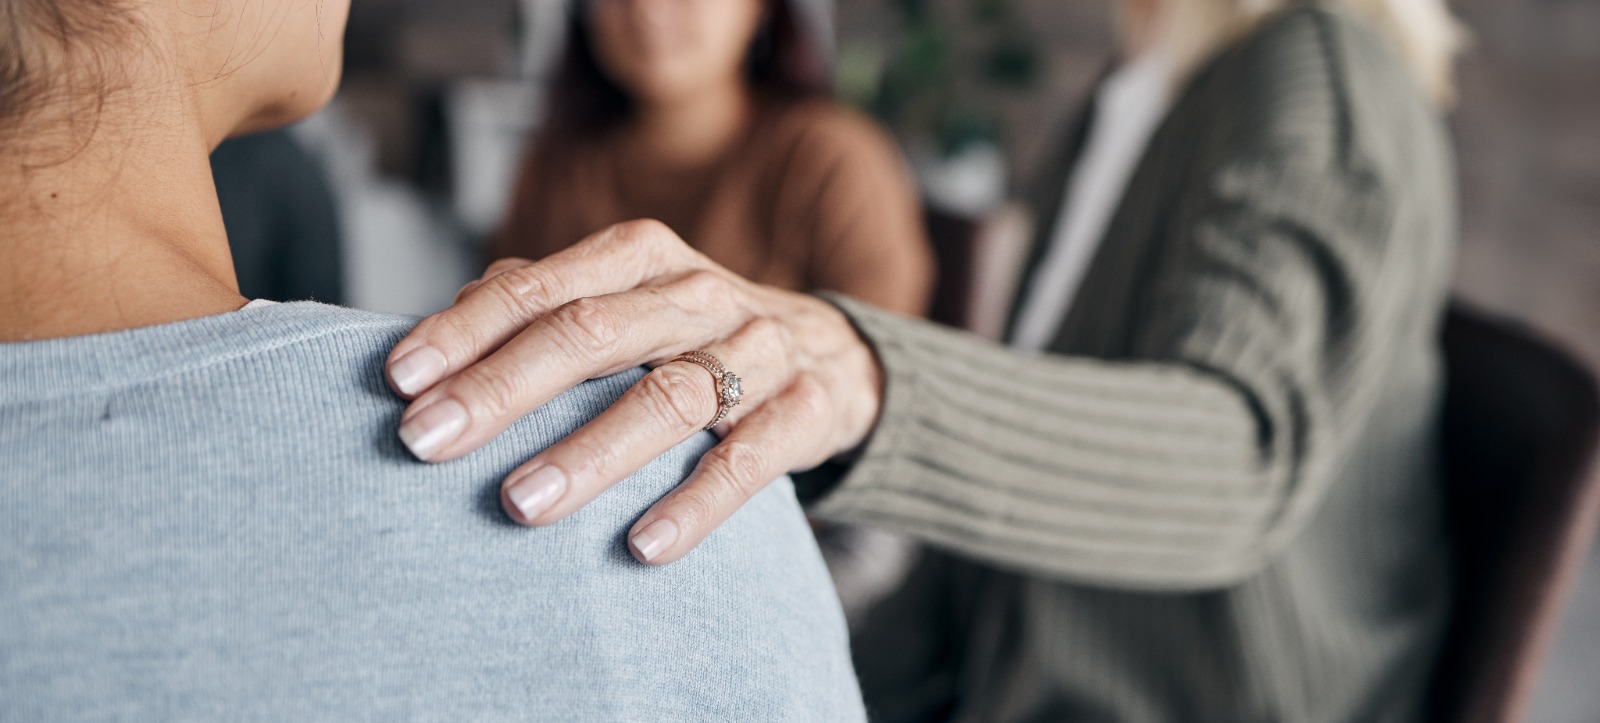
(929, 85)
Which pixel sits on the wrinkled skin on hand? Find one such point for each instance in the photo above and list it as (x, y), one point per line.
(635, 294)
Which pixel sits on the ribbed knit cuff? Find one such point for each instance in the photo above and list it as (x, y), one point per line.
(831, 488)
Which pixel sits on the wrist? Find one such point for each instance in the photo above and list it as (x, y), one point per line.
(865, 375)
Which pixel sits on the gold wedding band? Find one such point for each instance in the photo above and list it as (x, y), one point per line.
(730, 389)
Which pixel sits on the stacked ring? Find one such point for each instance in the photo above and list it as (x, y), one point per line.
(729, 387)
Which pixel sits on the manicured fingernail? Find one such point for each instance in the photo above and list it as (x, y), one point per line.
(433, 428)
(655, 538)
(418, 369)
(536, 491)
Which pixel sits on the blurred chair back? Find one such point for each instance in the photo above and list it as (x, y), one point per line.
(1522, 426)
(979, 260)
(955, 252)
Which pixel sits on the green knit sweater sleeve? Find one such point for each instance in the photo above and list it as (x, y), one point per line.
(1184, 465)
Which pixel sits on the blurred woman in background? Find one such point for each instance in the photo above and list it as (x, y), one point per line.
(713, 116)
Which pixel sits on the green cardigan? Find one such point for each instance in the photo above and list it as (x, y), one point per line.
(1217, 498)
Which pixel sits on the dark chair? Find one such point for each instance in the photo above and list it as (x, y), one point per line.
(1522, 427)
(979, 259)
(954, 239)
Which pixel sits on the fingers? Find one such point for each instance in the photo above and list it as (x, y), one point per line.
(784, 435)
(757, 354)
(672, 403)
(505, 264)
(580, 340)
(494, 309)
(495, 269)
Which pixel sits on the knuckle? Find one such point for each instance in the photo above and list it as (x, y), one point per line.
(695, 506)
(740, 465)
(526, 287)
(589, 459)
(505, 293)
(505, 264)
(766, 338)
(675, 396)
(453, 327)
(642, 233)
(650, 228)
(707, 289)
(588, 326)
(449, 331)
(649, 239)
(809, 398)
(493, 391)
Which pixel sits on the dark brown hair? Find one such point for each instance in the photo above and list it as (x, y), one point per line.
(52, 51)
(783, 64)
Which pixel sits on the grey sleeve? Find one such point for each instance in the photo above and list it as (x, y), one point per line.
(1185, 467)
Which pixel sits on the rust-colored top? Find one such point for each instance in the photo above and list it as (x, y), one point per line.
(814, 197)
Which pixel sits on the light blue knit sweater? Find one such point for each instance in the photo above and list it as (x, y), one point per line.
(214, 520)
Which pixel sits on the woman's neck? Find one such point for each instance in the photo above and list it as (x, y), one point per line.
(693, 131)
(116, 228)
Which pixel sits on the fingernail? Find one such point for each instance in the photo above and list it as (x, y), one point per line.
(536, 491)
(655, 538)
(418, 369)
(433, 428)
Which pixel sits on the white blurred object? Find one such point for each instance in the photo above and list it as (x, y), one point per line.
(400, 256)
(971, 182)
(1129, 106)
(1003, 238)
(544, 23)
(489, 122)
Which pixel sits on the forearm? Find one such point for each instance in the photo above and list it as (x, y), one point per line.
(1140, 475)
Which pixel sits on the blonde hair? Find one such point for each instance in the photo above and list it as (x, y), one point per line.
(1423, 32)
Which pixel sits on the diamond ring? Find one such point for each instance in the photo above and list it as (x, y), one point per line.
(729, 388)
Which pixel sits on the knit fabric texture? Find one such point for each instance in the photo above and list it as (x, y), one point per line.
(1216, 499)
(214, 520)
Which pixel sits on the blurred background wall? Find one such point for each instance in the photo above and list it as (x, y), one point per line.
(438, 94)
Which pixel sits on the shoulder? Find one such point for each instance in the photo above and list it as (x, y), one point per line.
(827, 121)
(1304, 84)
(821, 134)
(819, 158)
(759, 573)
(274, 425)
(337, 368)
(333, 358)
